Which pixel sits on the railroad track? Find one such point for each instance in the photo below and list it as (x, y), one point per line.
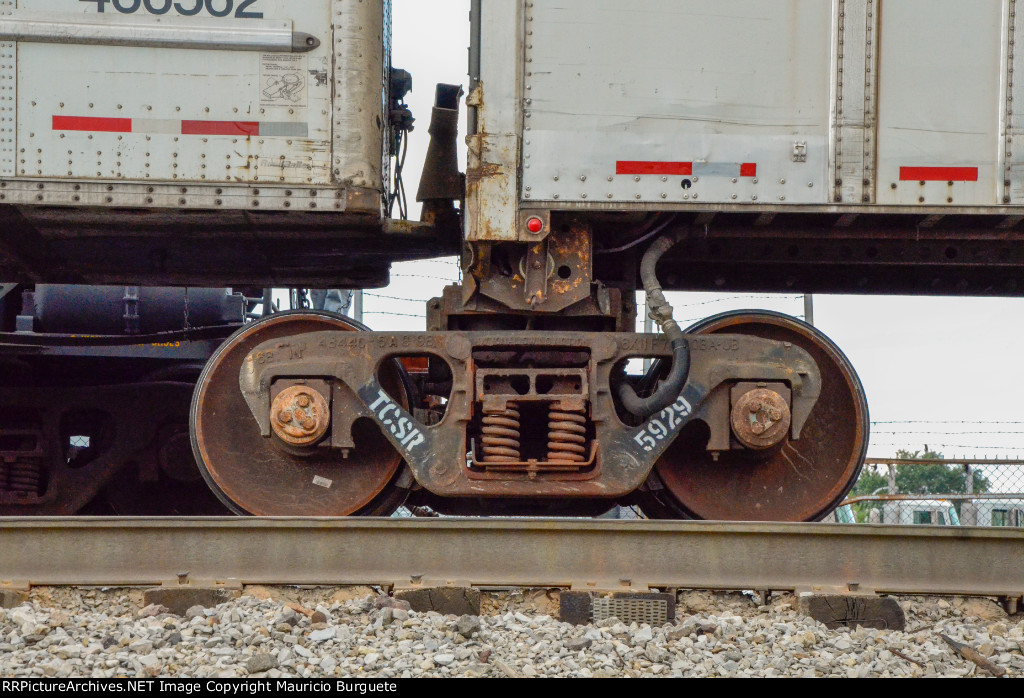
(604, 555)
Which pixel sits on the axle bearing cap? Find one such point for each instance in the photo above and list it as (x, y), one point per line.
(300, 416)
(761, 419)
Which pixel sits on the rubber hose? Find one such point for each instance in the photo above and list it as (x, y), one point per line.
(669, 390)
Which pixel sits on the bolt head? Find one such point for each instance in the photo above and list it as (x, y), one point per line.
(297, 425)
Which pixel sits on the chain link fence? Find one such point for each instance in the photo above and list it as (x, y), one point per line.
(933, 492)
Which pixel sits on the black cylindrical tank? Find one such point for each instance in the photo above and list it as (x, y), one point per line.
(128, 310)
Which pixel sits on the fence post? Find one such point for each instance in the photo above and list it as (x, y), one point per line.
(969, 508)
(891, 510)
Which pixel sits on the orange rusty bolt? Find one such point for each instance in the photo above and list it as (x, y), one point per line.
(303, 416)
(761, 419)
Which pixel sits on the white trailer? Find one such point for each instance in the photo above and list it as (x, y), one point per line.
(920, 512)
(162, 140)
(230, 104)
(1006, 512)
(853, 106)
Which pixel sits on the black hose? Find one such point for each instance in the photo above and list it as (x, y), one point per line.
(646, 233)
(661, 311)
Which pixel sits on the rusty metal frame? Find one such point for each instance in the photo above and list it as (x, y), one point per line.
(151, 405)
(436, 454)
(606, 555)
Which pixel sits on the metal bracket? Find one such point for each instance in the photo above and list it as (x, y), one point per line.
(537, 270)
(270, 36)
(627, 453)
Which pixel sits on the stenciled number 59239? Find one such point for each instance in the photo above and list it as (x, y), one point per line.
(242, 9)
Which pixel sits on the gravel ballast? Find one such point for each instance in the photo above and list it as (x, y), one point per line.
(277, 633)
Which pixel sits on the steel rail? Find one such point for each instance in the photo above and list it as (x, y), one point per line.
(508, 552)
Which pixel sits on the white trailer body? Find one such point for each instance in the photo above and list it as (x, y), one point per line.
(920, 512)
(214, 104)
(850, 106)
(1007, 512)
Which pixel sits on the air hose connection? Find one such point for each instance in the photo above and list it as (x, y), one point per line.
(661, 312)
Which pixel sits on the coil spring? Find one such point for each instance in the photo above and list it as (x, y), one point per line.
(501, 436)
(22, 477)
(567, 436)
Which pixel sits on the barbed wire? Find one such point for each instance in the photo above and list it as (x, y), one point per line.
(447, 279)
(397, 298)
(937, 421)
(912, 432)
(729, 299)
(704, 317)
(977, 447)
(381, 312)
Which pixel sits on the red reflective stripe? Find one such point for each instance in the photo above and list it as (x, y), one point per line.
(91, 123)
(748, 169)
(640, 167)
(938, 174)
(220, 128)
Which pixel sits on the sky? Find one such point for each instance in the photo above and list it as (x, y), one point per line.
(937, 371)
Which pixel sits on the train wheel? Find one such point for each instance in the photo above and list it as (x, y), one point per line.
(802, 480)
(260, 476)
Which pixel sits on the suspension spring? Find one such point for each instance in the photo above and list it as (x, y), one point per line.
(567, 436)
(501, 436)
(24, 478)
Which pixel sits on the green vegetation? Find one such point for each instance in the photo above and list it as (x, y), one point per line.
(914, 479)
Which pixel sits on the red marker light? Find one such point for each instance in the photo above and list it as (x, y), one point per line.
(535, 225)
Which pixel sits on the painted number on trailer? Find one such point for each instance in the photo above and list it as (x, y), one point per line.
(664, 425)
(242, 9)
(402, 428)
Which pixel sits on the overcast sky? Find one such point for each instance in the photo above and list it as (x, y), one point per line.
(937, 371)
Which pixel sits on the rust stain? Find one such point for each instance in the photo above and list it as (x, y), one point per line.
(484, 171)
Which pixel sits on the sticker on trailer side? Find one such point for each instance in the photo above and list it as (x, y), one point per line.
(283, 78)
